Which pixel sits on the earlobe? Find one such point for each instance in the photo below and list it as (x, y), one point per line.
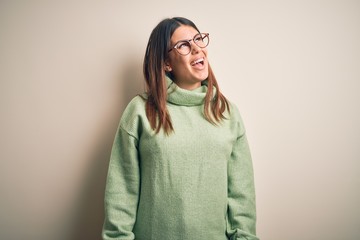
(167, 67)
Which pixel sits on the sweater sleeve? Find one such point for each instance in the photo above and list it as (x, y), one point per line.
(241, 215)
(122, 188)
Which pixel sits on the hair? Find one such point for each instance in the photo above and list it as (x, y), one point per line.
(156, 87)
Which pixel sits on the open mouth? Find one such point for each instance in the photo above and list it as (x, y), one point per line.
(199, 61)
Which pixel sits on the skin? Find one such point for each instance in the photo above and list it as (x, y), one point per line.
(187, 76)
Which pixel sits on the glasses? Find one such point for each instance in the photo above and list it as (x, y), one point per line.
(183, 47)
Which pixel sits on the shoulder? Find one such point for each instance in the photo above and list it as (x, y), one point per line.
(133, 115)
(233, 114)
(135, 106)
(235, 117)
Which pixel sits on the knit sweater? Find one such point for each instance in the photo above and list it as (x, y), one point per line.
(194, 184)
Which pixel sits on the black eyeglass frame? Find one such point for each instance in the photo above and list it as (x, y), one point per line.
(189, 41)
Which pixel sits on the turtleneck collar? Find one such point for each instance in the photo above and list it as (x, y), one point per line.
(184, 97)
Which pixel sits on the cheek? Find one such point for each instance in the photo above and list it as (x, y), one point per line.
(204, 50)
(179, 63)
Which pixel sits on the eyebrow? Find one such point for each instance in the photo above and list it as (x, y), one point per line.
(185, 40)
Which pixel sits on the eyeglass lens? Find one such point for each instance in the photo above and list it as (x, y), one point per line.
(201, 40)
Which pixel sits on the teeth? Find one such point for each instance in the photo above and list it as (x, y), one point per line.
(197, 61)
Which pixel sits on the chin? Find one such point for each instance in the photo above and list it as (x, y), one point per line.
(204, 77)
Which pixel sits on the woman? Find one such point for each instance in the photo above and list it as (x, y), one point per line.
(180, 167)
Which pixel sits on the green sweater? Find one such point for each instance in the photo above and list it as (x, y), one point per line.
(195, 184)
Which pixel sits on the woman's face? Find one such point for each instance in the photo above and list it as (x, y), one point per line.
(189, 70)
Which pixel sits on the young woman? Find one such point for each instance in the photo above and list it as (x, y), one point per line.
(180, 167)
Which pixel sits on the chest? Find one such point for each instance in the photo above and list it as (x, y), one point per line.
(193, 138)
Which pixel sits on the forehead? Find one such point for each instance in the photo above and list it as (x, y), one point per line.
(183, 33)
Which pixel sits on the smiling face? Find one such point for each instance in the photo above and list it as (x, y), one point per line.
(189, 70)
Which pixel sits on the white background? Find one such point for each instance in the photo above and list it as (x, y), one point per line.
(68, 69)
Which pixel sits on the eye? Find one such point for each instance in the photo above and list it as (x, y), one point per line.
(198, 38)
(181, 45)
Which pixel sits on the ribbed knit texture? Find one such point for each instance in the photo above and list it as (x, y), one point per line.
(195, 184)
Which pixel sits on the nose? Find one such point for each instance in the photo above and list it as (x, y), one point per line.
(194, 48)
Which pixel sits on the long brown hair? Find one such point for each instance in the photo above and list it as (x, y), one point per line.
(156, 87)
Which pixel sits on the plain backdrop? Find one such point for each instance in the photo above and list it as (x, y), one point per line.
(68, 69)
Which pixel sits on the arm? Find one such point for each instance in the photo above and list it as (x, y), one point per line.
(241, 215)
(122, 188)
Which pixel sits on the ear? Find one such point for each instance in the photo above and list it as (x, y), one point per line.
(167, 66)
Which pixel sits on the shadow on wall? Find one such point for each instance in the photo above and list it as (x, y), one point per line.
(90, 211)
